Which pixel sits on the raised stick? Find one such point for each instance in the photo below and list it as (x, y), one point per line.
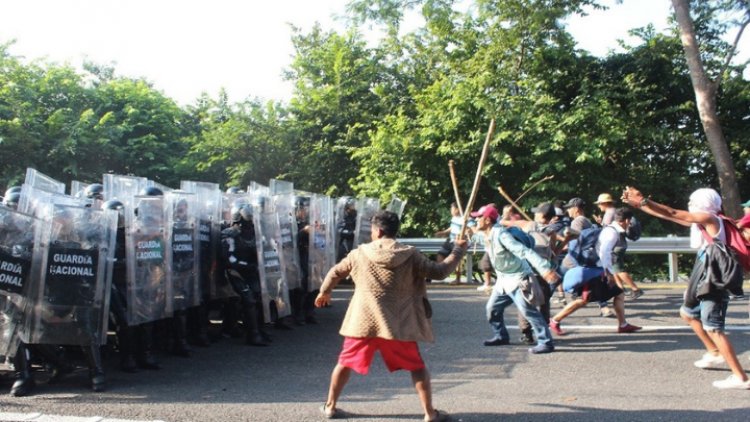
(477, 178)
(455, 187)
(533, 186)
(513, 203)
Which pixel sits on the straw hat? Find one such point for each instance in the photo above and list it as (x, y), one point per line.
(604, 198)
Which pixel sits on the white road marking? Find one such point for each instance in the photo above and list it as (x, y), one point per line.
(39, 417)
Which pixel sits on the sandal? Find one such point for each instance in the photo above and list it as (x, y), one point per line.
(328, 412)
(439, 417)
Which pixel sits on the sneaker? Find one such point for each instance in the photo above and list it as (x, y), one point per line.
(526, 339)
(710, 361)
(560, 300)
(554, 326)
(635, 294)
(732, 382)
(606, 312)
(329, 412)
(542, 348)
(483, 288)
(497, 342)
(628, 328)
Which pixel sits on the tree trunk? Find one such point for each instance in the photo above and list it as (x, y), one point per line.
(705, 96)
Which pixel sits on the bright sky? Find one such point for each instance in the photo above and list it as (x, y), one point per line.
(186, 47)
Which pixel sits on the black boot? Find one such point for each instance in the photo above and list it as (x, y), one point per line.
(96, 369)
(126, 347)
(24, 381)
(144, 346)
(254, 336)
(179, 330)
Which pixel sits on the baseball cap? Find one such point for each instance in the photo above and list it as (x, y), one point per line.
(604, 198)
(745, 204)
(575, 202)
(488, 211)
(546, 209)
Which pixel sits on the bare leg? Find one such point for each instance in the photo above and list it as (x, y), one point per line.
(697, 327)
(487, 279)
(569, 309)
(339, 378)
(421, 380)
(727, 352)
(619, 304)
(624, 278)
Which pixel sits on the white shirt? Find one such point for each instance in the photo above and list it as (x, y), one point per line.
(607, 241)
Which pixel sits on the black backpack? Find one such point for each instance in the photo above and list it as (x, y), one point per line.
(634, 230)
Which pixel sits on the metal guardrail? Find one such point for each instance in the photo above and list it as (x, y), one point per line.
(670, 246)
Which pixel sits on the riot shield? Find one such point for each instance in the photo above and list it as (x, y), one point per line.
(285, 209)
(32, 197)
(396, 206)
(182, 249)
(72, 274)
(41, 181)
(230, 201)
(77, 188)
(279, 187)
(274, 288)
(366, 209)
(208, 202)
(149, 296)
(123, 188)
(163, 188)
(16, 245)
(322, 251)
(345, 218)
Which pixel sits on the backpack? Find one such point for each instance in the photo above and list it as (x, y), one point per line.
(634, 229)
(521, 236)
(734, 240)
(542, 244)
(583, 249)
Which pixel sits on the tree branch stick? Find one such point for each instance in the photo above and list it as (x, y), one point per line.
(455, 187)
(513, 203)
(477, 178)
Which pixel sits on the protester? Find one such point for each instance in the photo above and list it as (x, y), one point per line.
(388, 311)
(457, 221)
(512, 261)
(706, 315)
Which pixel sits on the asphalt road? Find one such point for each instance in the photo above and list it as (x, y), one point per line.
(595, 374)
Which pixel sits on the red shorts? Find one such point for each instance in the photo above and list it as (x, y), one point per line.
(357, 354)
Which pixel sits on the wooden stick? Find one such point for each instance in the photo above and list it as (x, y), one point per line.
(455, 187)
(533, 186)
(477, 178)
(513, 203)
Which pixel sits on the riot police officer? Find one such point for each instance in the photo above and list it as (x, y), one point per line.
(346, 226)
(240, 259)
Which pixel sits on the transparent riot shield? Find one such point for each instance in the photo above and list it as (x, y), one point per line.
(149, 296)
(77, 188)
(280, 187)
(345, 218)
(163, 188)
(285, 209)
(123, 188)
(32, 197)
(274, 288)
(366, 209)
(396, 206)
(208, 202)
(322, 251)
(230, 201)
(17, 232)
(183, 249)
(72, 273)
(41, 181)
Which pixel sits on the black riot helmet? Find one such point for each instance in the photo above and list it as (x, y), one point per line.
(301, 201)
(118, 206)
(94, 191)
(152, 191)
(12, 189)
(242, 214)
(10, 200)
(113, 204)
(234, 189)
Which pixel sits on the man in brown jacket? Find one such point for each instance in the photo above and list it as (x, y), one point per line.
(389, 311)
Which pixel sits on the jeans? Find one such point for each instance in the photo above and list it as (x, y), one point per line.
(495, 315)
